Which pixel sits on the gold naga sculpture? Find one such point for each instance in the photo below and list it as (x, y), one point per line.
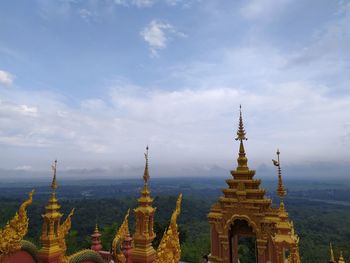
(63, 230)
(14, 231)
(120, 236)
(169, 249)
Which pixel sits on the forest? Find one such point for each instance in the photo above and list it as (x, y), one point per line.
(318, 222)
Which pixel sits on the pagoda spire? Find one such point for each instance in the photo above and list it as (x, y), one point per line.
(341, 259)
(242, 159)
(53, 198)
(145, 198)
(280, 188)
(143, 251)
(331, 254)
(50, 238)
(146, 176)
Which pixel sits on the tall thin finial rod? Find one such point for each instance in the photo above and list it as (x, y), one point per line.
(280, 189)
(54, 183)
(331, 254)
(146, 176)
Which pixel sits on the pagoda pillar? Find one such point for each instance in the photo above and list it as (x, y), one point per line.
(127, 249)
(96, 244)
(235, 248)
(261, 246)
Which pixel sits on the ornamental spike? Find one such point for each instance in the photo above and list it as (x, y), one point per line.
(146, 176)
(242, 159)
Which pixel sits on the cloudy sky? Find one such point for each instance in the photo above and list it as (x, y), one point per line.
(93, 82)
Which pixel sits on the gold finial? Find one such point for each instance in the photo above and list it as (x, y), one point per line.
(96, 228)
(146, 173)
(241, 131)
(331, 256)
(280, 189)
(242, 159)
(341, 259)
(54, 169)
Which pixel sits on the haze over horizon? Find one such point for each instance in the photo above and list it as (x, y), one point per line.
(92, 82)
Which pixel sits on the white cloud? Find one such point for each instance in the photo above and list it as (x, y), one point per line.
(149, 3)
(6, 78)
(86, 14)
(23, 168)
(190, 124)
(156, 34)
(138, 3)
(255, 9)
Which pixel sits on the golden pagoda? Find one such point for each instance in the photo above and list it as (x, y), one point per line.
(53, 232)
(51, 250)
(143, 251)
(244, 211)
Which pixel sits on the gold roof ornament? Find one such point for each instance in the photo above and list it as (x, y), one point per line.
(146, 173)
(63, 230)
(53, 206)
(120, 236)
(169, 249)
(241, 136)
(280, 188)
(145, 198)
(331, 254)
(341, 259)
(14, 231)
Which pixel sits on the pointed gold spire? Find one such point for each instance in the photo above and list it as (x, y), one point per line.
(341, 259)
(146, 173)
(54, 183)
(145, 198)
(242, 159)
(96, 228)
(53, 202)
(280, 188)
(331, 254)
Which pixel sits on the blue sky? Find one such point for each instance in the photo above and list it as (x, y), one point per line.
(92, 82)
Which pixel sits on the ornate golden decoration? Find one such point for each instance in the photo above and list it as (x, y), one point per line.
(280, 189)
(146, 176)
(120, 236)
(331, 254)
(63, 230)
(143, 250)
(169, 249)
(242, 159)
(341, 259)
(14, 231)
